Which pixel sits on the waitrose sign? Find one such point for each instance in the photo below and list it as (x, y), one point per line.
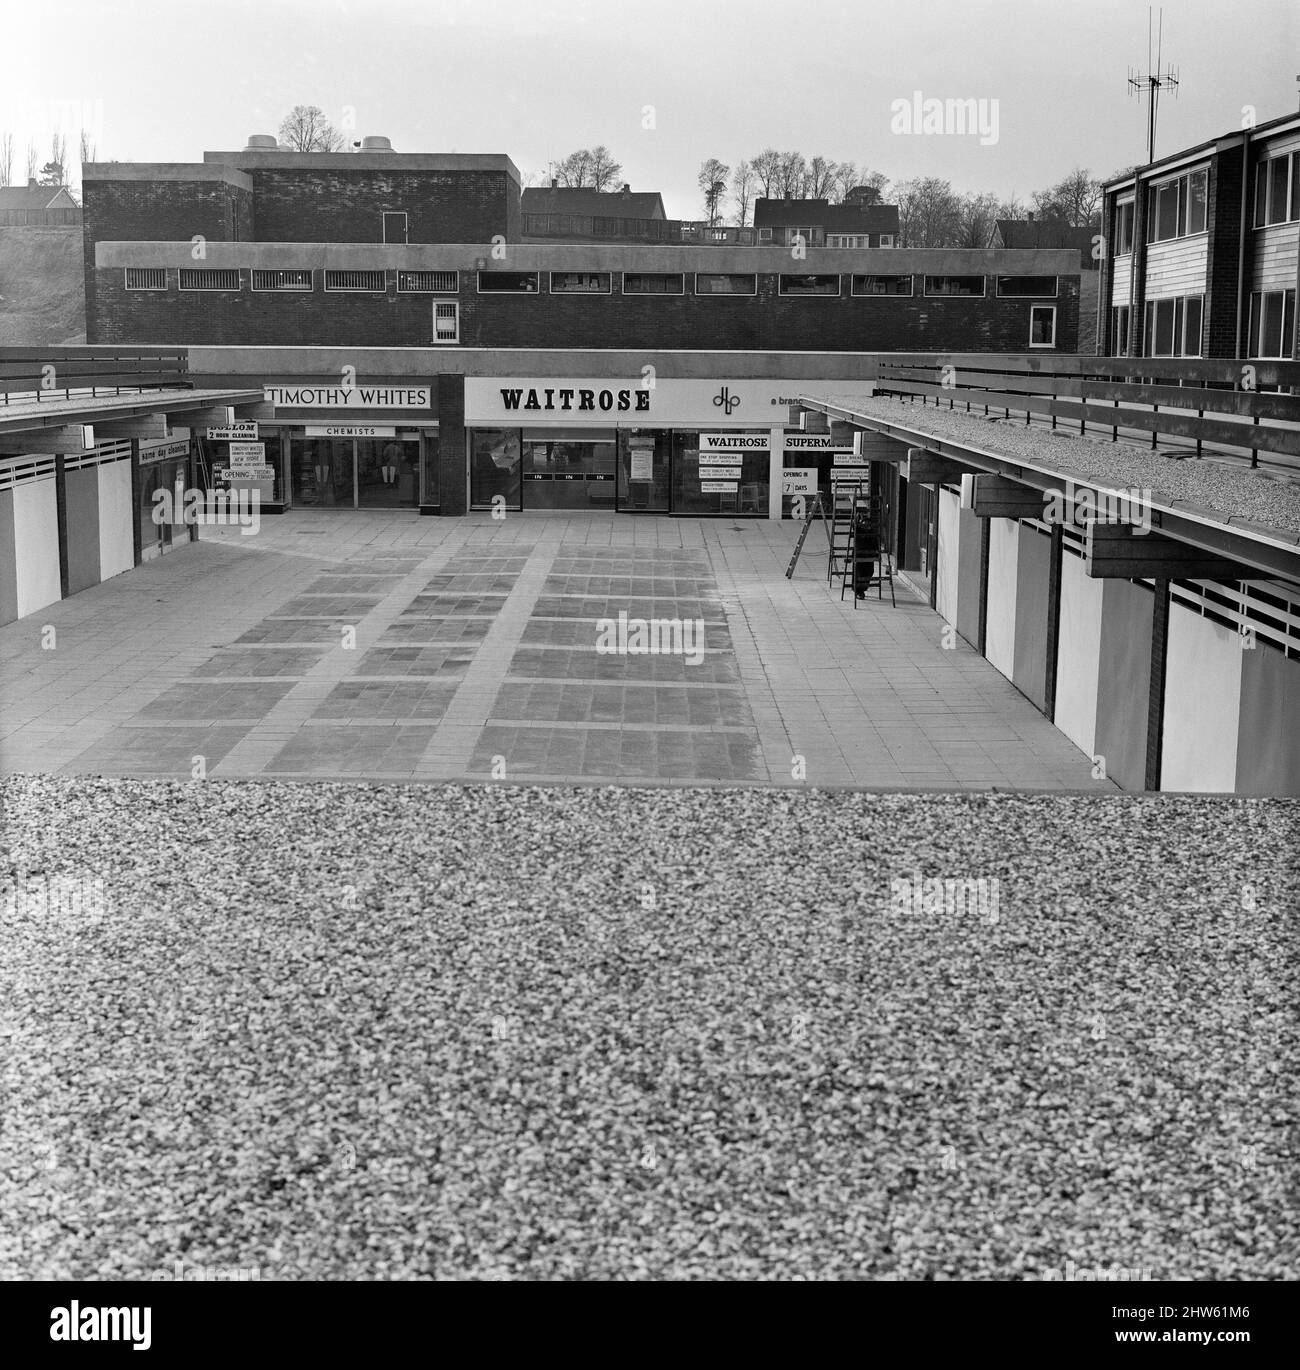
(603, 402)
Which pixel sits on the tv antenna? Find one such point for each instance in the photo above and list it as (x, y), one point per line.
(1153, 82)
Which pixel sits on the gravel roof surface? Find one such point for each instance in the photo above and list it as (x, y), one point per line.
(335, 1031)
(1222, 490)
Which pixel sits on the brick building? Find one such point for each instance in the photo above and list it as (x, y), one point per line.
(1204, 254)
(335, 253)
(860, 222)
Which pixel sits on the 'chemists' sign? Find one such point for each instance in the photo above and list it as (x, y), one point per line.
(347, 396)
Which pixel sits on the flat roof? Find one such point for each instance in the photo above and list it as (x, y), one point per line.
(1224, 516)
(23, 415)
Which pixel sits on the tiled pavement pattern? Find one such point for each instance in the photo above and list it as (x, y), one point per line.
(382, 647)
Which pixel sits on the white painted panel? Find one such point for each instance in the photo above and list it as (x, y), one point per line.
(116, 546)
(36, 545)
(1078, 654)
(1202, 704)
(1177, 267)
(945, 585)
(1000, 619)
(1276, 251)
(1274, 147)
(1123, 275)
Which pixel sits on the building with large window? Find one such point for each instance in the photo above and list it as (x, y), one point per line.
(1204, 250)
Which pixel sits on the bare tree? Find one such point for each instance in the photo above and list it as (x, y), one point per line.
(742, 191)
(927, 213)
(87, 148)
(6, 157)
(1079, 198)
(712, 182)
(574, 171)
(32, 158)
(1013, 207)
(976, 214)
(57, 165)
(792, 176)
(765, 167)
(845, 178)
(822, 173)
(604, 169)
(306, 129)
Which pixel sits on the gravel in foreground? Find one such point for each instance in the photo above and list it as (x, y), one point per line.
(332, 1031)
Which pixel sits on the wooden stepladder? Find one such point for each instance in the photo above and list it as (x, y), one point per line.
(816, 510)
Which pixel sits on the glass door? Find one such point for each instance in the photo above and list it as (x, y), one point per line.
(387, 471)
(643, 469)
(323, 472)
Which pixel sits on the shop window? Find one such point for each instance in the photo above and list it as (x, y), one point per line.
(580, 282)
(282, 280)
(954, 285)
(446, 321)
(725, 283)
(882, 285)
(146, 278)
(355, 281)
(809, 285)
(1019, 286)
(1272, 323)
(428, 282)
(1042, 325)
(208, 279)
(653, 283)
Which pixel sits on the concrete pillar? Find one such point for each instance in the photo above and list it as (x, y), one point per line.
(775, 466)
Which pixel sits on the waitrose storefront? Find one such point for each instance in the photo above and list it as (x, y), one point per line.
(447, 443)
(665, 446)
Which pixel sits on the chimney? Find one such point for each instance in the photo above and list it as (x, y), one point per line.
(1031, 216)
(627, 189)
(554, 183)
(31, 183)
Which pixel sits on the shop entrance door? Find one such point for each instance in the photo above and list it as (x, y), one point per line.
(324, 473)
(644, 468)
(568, 475)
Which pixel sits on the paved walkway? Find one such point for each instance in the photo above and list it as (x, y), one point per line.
(374, 646)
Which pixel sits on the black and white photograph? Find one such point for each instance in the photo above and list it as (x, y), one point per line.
(649, 645)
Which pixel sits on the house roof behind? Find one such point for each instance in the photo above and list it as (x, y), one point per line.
(35, 197)
(631, 204)
(850, 218)
(1043, 233)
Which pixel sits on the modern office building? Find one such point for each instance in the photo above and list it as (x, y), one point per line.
(1204, 254)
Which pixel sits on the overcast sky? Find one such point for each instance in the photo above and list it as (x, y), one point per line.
(166, 80)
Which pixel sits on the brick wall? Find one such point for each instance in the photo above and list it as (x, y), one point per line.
(334, 206)
(1223, 220)
(764, 322)
(140, 210)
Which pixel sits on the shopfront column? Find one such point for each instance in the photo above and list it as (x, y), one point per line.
(775, 469)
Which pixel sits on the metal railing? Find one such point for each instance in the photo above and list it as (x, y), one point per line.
(48, 373)
(1246, 406)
